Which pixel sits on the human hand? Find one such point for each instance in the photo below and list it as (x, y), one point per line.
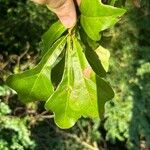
(64, 9)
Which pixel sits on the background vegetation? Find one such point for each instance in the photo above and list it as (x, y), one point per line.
(126, 122)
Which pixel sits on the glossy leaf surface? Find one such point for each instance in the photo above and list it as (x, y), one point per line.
(104, 56)
(35, 84)
(52, 35)
(96, 17)
(76, 95)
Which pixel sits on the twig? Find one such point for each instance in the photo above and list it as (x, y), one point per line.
(27, 47)
(82, 130)
(2, 66)
(77, 139)
(39, 117)
(47, 116)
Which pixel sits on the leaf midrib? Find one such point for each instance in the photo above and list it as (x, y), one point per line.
(83, 75)
(43, 68)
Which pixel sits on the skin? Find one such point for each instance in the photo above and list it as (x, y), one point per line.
(64, 9)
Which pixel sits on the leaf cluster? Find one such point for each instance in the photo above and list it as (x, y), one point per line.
(81, 90)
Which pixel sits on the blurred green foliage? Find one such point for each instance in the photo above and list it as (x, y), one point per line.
(126, 123)
(14, 133)
(22, 22)
(127, 116)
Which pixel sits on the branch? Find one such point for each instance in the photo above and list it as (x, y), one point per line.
(77, 139)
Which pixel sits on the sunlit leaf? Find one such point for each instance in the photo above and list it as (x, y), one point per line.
(104, 56)
(76, 95)
(53, 33)
(96, 17)
(94, 54)
(95, 63)
(35, 84)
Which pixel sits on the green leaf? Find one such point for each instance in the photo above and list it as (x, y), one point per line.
(104, 56)
(57, 72)
(35, 84)
(76, 94)
(105, 93)
(49, 37)
(96, 17)
(95, 62)
(99, 58)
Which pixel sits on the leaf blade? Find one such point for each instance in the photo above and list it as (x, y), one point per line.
(53, 34)
(76, 95)
(28, 84)
(103, 17)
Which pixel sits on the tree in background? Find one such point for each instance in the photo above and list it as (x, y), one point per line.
(126, 122)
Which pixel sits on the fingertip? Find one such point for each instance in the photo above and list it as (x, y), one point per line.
(78, 2)
(40, 1)
(67, 14)
(68, 21)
